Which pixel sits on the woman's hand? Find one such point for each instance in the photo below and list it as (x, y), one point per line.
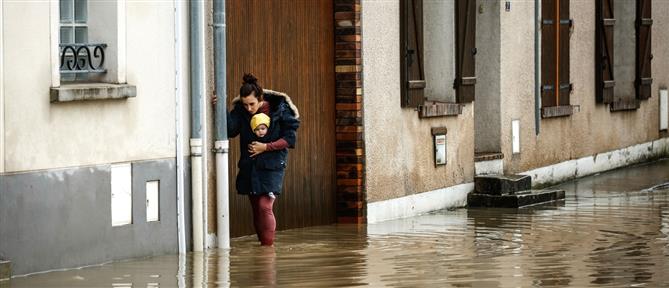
(256, 148)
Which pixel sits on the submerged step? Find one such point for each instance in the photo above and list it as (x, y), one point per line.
(501, 184)
(5, 270)
(519, 199)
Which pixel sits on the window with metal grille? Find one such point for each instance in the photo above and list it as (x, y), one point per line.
(78, 57)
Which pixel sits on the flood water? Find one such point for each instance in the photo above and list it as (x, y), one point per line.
(611, 231)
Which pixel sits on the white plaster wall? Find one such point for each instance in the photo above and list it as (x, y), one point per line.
(399, 145)
(2, 90)
(593, 129)
(42, 135)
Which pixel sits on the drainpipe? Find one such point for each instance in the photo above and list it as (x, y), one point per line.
(221, 146)
(537, 66)
(178, 57)
(197, 73)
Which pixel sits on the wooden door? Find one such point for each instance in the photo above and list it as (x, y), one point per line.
(289, 46)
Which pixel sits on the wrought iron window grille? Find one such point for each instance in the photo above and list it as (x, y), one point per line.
(82, 58)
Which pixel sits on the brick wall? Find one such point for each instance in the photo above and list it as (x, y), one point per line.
(351, 195)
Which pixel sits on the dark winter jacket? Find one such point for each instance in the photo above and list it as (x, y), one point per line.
(264, 173)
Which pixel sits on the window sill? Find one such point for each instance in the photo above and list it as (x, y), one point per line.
(625, 105)
(91, 91)
(439, 109)
(557, 111)
(487, 156)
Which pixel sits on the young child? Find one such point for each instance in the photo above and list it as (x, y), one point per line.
(260, 124)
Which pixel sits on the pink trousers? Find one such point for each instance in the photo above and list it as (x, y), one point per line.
(263, 218)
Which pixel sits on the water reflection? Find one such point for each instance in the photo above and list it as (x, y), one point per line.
(609, 231)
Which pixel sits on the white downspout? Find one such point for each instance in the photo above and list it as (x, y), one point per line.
(196, 187)
(178, 57)
(222, 194)
(197, 88)
(222, 144)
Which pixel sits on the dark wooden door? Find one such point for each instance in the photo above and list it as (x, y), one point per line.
(289, 46)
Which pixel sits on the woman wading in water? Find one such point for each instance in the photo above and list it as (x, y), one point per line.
(262, 164)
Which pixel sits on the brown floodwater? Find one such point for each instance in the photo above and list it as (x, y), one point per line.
(611, 231)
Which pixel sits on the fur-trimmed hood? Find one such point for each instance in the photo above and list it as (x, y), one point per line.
(273, 98)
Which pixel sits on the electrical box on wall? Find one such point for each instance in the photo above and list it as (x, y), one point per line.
(515, 136)
(152, 201)
(121, 194)
(664, 109)
(439, 140)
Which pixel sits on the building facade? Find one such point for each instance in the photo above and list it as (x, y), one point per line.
(517, 123)
(402, 104)
(88, 163)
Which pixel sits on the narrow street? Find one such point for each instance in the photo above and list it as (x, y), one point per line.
(611, 231)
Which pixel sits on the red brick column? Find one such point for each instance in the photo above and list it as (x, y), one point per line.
(351, 194)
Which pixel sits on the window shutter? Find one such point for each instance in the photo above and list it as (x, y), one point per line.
(563, 55)
(604, 51)
(413, 72)
(548, 53)
(643, 51)
(465, 80)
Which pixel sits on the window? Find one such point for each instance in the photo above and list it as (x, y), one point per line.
(88, 42)
(623, 29)
(73, 33)
(555, 32)
(437, 45)
(73, 18)
(93, 34)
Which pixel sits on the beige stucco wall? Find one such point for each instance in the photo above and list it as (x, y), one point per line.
(41, 135)
(591, 130)
(398, 145)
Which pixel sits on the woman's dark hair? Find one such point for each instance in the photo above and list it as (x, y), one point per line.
(250, 85)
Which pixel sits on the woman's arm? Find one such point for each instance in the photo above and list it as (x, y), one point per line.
(289, 125)
(288, 136)
(233, 118)
(234, 123)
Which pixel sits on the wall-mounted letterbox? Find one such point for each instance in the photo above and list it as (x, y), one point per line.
(439, 140)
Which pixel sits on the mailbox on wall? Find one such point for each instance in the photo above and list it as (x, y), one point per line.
(439, 140)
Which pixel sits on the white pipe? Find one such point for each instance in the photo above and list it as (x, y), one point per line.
(537, 66)
(196, 191)
(178, 57)
(198, 86)
(199, 271)
(221, 128)
(222, 194)
(223, 265)
(205, 139)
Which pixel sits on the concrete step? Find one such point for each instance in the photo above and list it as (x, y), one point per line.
(501, 184)
(5, 270)
(519, 199)
(488, 163)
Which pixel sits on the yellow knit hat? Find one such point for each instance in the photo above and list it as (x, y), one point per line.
(258, 119)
